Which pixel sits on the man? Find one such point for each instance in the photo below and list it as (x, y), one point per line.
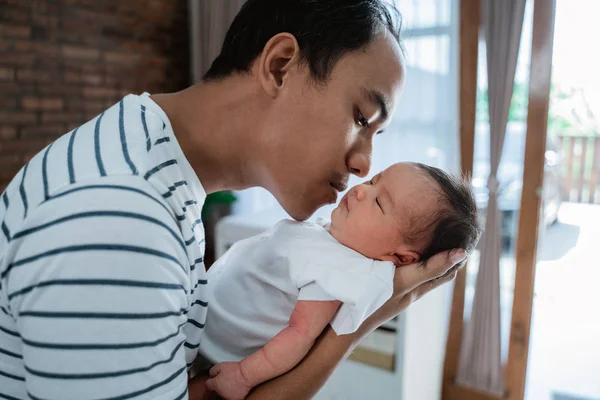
(101, 251)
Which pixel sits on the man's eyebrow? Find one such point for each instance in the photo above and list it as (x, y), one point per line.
(380, 101)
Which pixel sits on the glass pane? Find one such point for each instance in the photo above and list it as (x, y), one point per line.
(428, 53)
(564, 353)
(424, 13)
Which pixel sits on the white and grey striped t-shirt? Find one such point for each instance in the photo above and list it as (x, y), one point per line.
(101, 263)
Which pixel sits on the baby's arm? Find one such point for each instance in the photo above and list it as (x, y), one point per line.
(309, 318)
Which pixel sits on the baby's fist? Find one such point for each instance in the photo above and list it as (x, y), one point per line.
(228, 381)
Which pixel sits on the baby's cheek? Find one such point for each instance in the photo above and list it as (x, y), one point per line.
(375, 243)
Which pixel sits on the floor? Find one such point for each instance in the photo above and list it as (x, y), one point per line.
(564, 358)
(565, 336)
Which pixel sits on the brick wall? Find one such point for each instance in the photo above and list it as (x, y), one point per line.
(62, 62)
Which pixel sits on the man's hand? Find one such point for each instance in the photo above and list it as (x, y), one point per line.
(228, 381)
(413, 281)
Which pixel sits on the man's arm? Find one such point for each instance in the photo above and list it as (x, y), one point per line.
(279, 355)
(306, 379)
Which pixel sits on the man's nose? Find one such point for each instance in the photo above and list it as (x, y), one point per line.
(359, 164)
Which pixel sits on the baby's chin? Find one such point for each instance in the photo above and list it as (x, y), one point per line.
(336, 227)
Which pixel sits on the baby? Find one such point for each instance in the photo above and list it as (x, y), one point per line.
(272, 295)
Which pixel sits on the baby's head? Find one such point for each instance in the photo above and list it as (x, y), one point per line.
(407, 214)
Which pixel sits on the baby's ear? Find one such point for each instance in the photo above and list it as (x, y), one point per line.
(403, 258)
(408, 257)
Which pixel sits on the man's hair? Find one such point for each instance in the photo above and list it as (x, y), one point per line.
(325, 30)
(456, 224)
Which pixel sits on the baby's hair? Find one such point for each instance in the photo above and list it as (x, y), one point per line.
(456, 224)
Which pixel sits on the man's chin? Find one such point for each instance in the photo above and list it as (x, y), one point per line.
(301, 212)
(300, 215)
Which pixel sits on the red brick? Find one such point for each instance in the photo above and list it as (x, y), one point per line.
(59, 90)
(23, 146)
(92, 79)
(111, 80)
(9, 172)
(12, 161)
(8, 103)
(92, 68)
(121, 58)
(17, 59)
(18, 117)
(87, 105)
(46, 21)
(8, 88)
(8, 132)
(138, 47)
(72, 65)
(31, 132)
(21, 15)
(64, 117)
(46, 49)
(5, 44)
(14, 2)
(35, 75)
(81, 53)
(7, 74)
(88, 79)
(70, 26)
(14, 30)
(72, 77)
(99, 92)
(89, 115)
(23, 45)
(46, 104)
(87, 3)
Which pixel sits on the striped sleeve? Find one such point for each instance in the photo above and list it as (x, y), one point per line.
(99, 285)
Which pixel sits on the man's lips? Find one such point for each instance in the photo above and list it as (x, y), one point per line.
(340, 186)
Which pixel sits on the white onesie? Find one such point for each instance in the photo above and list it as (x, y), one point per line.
(253, 288)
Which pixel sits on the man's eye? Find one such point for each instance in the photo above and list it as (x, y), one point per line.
(361, 120)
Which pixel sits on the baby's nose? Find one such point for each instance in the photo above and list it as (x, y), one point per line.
(359, 192)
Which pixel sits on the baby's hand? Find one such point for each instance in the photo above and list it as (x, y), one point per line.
(228, 381)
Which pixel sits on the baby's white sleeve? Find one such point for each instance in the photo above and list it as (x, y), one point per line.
(361, 284)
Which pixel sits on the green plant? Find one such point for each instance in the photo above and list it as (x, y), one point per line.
(214, 200)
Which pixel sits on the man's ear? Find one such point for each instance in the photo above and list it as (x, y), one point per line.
(279, 56)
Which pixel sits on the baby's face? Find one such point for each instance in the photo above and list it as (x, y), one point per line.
(373, 218)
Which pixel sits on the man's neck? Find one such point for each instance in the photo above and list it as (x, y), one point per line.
(218, 131)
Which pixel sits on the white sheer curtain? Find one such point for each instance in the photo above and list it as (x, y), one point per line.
(480, 361)
(209, 20)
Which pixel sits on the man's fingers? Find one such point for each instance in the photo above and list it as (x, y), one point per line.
(413, 276)
(433, 284)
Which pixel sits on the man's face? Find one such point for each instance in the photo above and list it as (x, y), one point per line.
(324, 132)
